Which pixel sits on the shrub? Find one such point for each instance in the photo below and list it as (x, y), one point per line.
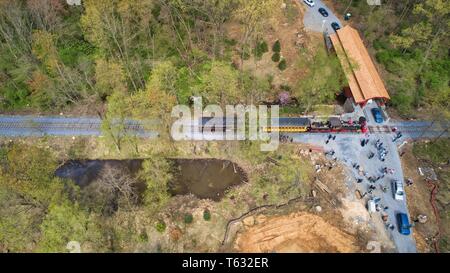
(188, 218)
(282, 65)
(71, 50)
(260, 49)
(143, 237)
(230, 42)
(285, 87)
(276, 46)
(160, 226)
(276, 57)
(206, 215)
(245, 55)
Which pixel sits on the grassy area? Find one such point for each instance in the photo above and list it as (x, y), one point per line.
(437, 151)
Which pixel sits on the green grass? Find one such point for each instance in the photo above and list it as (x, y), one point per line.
(291, 110)
(324, 110)
(437, 151)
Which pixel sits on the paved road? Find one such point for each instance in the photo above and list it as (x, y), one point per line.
(411, 130)
(314, 21)
(349, 151)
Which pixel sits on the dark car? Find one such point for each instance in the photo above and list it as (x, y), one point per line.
(403, 224)
(324, 12)
(377, 115)
(335, 26)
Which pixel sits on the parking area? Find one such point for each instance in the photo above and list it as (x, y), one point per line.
(315, 21)
(368, 173)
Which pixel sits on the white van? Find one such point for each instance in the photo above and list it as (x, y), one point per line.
(397, 189)
(309, 2)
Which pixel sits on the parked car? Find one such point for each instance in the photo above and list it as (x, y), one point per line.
(324, 12)
(404, 227)
(397, 190)
(376, 112)
(309, 2)
(335, 26)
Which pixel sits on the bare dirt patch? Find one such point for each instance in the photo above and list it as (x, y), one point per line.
(296, 232)
(418, 199)
(287, 27)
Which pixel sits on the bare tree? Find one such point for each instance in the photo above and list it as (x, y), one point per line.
(113, 187)
(46, 13)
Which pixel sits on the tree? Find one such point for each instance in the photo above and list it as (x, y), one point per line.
(16, 63)
(17, 223)
(64, 223)
(276, 46)
(155, 103)
(15, 28)
(282, 65)
(197, 24)
(29, 174)
(163, 78)
(260, 49)
(276, 57)
(156, 173)
(114, 188)
(324, 77)
(254, 15)
(47, 14)
(109, 78)
(120, 29)
(67, 87)
(221, 84)
(45, 51)
(114, 124)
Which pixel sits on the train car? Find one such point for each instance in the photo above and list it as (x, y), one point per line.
(336, 125)
(207, 124)
(290, 125)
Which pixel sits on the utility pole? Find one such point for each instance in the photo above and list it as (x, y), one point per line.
(348, 6)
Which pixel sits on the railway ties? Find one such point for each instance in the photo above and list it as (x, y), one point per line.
(388, 129)
(57, 126)
(380, 129)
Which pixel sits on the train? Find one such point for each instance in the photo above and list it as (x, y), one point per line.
(331, 125)
(299, 125)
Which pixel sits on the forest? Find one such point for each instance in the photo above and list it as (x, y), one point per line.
(409, 39)
(120, 59)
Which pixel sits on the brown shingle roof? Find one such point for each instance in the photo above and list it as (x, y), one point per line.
(364, 81)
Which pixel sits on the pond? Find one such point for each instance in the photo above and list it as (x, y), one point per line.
(205, 178)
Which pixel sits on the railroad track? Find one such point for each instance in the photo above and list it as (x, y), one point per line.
(38, 126)
(406, 129)
(23, 126)
(65, 126)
